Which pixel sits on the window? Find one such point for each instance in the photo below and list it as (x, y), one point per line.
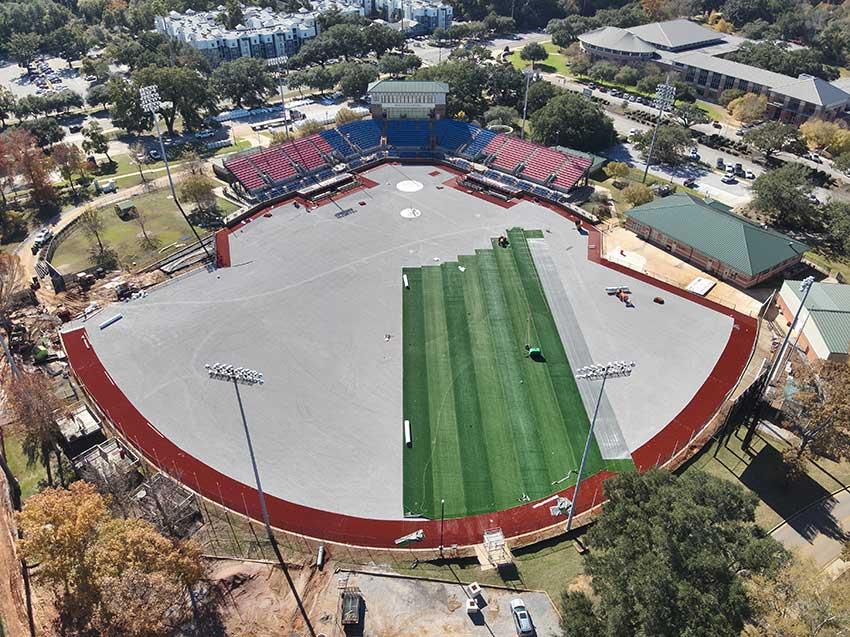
(715, 81)
(728, 82)
(703, 76)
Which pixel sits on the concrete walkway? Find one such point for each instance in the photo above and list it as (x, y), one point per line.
(818, 533)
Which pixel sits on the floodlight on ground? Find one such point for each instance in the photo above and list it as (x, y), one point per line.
(247, 376)
(149, 98)
(613, 369)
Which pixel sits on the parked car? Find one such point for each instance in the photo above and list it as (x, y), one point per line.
(694, 155)
(716, 125)
(91, 78)
(153, 153)
(720, 163)
(522, 620)
(203, 134)
(749, 174)
(633, 132)
(690, 182)
(814, 157)
(729, 179)
(42, 237)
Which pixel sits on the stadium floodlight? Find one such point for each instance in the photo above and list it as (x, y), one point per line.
(252, 377)
(614, 369)
(151, 103)
(665, 97)
(805, 288)
(528, 72)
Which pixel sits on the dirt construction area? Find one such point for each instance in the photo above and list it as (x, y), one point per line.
(259, 604)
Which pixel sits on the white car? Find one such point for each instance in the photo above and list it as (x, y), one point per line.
(750, 174)
(42, 237)
(203, 134)
(729, 179)
(522, 620)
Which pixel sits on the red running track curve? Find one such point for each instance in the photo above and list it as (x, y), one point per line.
(335, 527)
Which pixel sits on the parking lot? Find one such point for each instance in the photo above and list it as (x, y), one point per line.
(47, 75)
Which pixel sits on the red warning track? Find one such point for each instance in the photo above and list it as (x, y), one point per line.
(335, 527)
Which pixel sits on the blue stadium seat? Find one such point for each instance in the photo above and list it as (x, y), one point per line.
(453, 135)
(408, 133)
(337, 142)
(366, 134)
(481, 140)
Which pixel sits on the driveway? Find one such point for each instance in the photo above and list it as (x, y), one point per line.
(818, 533)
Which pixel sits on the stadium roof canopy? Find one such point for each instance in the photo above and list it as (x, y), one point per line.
(719, 234)
(407, 86)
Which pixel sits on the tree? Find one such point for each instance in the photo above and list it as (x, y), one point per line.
(395, 65)
(842, 162)
(749, 108)
(69, 161)
(232, 16)
(200, 190)
(183, 91)
(670, 144)
(23, 48)
(45, 130)
(603, 71)
(308, 127)
(617, 169)
(355, 78)
(772, 137)
(689, 115)
(777, 57)
(98, 95)
(95, 66)
(244, 81)
(33, 165)
(505, 85)
(669, 556)
(729, 95)
(12, 277)
(7, 105)
(95, 141)
(501, 115)
(798, 601)
(59, 528)
(92, 222)
(533, 52)
(637, 194)
(539, 95)
(783, 195)
(8, 172)
(573, 121)
(36, 410)
(126, 108)
(823, 135)
(68, 42)
(468, 81)
(819, 412)
(628, 75)
(138, 154)
(345, 115)
(381, 38)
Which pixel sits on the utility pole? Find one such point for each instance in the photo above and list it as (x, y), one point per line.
(252, 378)
(529, 71)
(595, 372)
(665, 96)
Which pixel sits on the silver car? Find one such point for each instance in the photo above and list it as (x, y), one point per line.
(522, 620)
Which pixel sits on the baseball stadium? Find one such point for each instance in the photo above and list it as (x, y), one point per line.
(419, 294)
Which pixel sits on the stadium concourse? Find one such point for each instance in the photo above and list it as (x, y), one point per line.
(314, 298)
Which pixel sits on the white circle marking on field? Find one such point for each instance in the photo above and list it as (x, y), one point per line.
(410, 213)
(409, 185)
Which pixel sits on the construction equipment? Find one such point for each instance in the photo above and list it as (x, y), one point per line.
(352, 604)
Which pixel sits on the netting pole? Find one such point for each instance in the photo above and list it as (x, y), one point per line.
(251, 524)
(229, 522)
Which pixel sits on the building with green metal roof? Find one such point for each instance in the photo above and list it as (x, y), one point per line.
(824, 330)
(410, 99)
(708, 235)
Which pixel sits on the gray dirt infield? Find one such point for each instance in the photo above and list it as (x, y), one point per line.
(309, 301)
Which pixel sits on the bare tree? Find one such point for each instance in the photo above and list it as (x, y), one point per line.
(137, 158)
(37, 410)
(147, 241)
(92, 223)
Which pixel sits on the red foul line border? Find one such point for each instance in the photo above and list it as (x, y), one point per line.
(335, 527)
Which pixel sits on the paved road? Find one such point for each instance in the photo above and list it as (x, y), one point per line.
(818, 532)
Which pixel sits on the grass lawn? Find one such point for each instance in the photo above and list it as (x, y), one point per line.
(842, 267)
(620, 204)
(761, 472)
(714, 111)
(27, 475)
(163, 221)
(547, 566)
(491, 426)
(556, 62)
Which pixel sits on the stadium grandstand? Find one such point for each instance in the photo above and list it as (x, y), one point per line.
(264, 174)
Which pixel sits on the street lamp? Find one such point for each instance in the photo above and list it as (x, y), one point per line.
(442, 521)
(665, 96)
(614, 369)
(805, 288)
(251, 377)
(528, 72)
(151, 104)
